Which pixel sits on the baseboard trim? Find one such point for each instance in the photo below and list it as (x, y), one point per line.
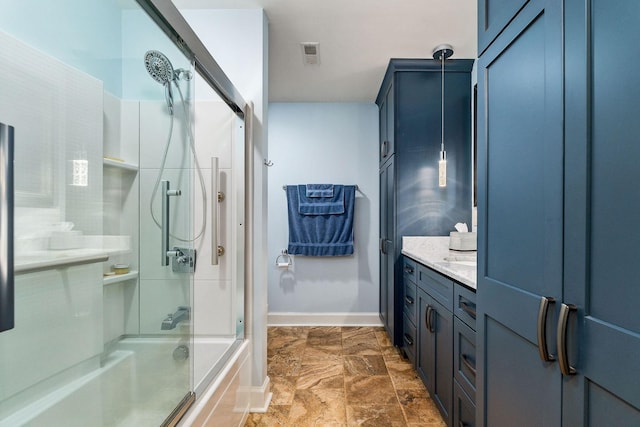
(323, 319)
(260, 397)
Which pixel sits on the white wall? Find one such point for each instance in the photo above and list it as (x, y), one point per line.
(324, 143)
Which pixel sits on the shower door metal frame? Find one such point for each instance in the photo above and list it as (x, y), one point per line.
(170, 20)
(173, 24)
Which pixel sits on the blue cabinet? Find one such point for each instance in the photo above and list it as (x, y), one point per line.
(434, 362)
(601, 195)
(389, 310)
(412, 204)
(443, 350)
(557, 169)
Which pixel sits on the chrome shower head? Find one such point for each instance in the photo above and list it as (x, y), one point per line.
(159, 67)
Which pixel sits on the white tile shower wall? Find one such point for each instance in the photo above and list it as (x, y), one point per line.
(214, 294)
(121, 212)
(57, 113)
(58, 325)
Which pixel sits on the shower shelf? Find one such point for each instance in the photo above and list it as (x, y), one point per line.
(111, 280)
(120, 164)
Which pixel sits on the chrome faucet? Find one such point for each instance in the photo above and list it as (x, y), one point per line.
(172, 320)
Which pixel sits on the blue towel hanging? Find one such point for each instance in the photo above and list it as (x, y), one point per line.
(321, 205)
(319, 190)
(320, 234)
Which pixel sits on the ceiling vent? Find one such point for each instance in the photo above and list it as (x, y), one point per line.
(310, 53)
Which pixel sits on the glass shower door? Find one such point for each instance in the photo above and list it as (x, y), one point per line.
(102, 330)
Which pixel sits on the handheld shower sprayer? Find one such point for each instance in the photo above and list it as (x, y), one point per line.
(160, 69)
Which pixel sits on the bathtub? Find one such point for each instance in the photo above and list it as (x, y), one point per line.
(140, 382)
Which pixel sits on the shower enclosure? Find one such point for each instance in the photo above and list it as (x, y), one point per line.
(121, 270)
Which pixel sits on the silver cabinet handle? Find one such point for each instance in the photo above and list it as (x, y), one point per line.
(384, 149)
(432, 323)
(408, 339)
(467, 362)
(468, 309)
(408, 300)
(408, 269)
(166, 193)
(563, 360)
(427, 318)
(543, 312)
(382, 246)
(7, 289)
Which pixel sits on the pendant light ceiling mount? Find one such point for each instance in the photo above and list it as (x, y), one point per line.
(443, 50)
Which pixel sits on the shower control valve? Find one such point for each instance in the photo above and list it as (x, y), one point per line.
(183, 260)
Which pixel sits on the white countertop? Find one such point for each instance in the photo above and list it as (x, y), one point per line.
(434, 252)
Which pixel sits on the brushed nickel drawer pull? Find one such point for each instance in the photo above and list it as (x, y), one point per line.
(468, 309)
(543, 312)
(467, 362)
(563, 360)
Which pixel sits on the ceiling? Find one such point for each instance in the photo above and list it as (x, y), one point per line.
(357, 38)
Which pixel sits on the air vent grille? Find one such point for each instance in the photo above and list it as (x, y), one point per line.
(310, 53)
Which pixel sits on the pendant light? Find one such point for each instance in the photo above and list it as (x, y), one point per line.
(441, 53)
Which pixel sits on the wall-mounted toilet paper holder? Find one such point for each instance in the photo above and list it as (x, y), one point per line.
(283, 260)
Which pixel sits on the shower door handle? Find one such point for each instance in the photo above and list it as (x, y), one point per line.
(216, 197)
(166, 193)
(7, 297)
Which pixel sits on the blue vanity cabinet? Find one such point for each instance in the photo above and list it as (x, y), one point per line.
(434, 362)
(410, 309)
(412, 204)
(557, 320)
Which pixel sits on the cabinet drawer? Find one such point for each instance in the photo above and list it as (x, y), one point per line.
(409, 339)
(464, 409)
(436, 285)
(410, 301)
(409, 268)
(464, 357)
(464, 305)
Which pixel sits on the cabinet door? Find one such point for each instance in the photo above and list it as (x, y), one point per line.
(601, 250)
(520, 214)
(387, 146)
(388, 300)
(435, 352)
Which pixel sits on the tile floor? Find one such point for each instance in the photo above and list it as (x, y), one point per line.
(342, 376)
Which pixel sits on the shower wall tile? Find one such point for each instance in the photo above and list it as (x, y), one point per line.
(121, 128)
(155, 123)
(58, 325)
(113, 299)
(159, 298)
(57, 113)
(213, 133)
(213, 300)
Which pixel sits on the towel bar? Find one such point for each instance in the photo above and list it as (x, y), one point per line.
(284, 187)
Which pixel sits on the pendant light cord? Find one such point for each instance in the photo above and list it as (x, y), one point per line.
(442, 57)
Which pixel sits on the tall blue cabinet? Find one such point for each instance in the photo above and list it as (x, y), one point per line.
(558, 329)
(411, 203)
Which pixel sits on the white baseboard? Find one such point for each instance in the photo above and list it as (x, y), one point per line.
(260, 397)
(323, 319)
